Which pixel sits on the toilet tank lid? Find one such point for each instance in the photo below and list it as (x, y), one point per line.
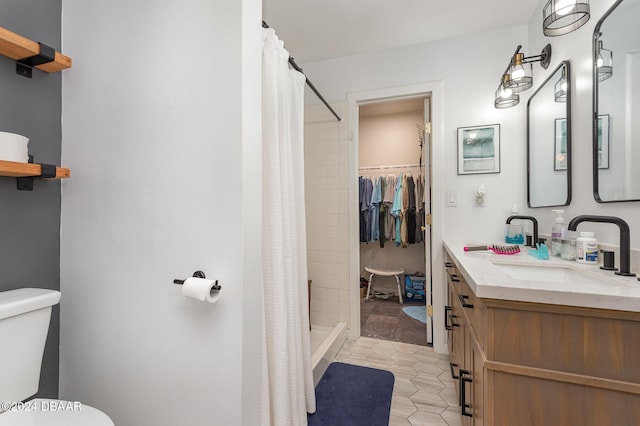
(22, 300)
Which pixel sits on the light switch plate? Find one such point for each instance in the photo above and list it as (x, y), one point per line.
(452, 199)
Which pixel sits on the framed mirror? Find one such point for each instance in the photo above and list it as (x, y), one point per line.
(549, 141)
(616, 104)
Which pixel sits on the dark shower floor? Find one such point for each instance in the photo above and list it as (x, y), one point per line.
(385, 320)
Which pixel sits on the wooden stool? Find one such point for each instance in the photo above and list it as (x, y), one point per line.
(385, 273)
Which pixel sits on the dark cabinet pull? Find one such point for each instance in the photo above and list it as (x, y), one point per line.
(448, 265)
(447, 325)
(463, 300)
(448, 319)
(455, 278)
(463, 394)
(453, 375)
(453, 324)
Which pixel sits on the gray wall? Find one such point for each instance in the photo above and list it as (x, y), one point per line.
(30, 221)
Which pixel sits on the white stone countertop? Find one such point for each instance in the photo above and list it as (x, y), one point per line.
(554, 281)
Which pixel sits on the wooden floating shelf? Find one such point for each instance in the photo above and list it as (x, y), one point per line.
(16, 47)
(13, 169)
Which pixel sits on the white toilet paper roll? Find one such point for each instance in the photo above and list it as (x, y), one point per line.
(200, 289)
(13, 147)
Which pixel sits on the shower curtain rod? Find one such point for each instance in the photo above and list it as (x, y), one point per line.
(309, 83)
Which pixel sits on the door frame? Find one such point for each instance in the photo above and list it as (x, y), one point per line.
(434, 90)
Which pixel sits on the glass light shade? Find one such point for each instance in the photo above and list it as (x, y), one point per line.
(520, 78)
(505, 97)
(604, 63)
(560, 89)
(560, 17)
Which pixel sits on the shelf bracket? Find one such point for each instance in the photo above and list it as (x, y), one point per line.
(48, 171)
(24, 67)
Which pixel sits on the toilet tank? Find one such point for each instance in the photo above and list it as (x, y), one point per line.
(24, 323)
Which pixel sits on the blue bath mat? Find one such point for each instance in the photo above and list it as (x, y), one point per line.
(350, 395)
(418, 312)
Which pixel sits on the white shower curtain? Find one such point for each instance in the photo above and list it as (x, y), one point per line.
(287, 385)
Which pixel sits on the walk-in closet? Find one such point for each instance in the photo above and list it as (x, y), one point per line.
(393, 148)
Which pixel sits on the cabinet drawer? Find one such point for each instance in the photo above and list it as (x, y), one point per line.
(454, 277)
(568, 339)
(530, 401)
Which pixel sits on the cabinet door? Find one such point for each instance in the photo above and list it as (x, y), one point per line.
(477, 386)
(466, 380)
(531, 401)
(472, 382)
(453, 322)
(456, 338)
(447, 321)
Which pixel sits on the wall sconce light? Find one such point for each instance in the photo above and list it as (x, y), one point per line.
(520, 73)
(563, 16)
(560, 88)
(604, 62)
(518, 76)
(505, 97)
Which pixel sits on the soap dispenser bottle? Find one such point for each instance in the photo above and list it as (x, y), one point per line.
(515, 233)
(558, 234)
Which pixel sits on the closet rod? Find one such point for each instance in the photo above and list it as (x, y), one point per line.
(399, 166)
(309, 83)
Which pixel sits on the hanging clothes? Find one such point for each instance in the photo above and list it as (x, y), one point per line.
(392, 209)
(389, 196)
(420, 214)
(396, 210)
(366, 190)
(410, 214)
(360, 212)
(383, 212)
(404, 236)
(374, 210)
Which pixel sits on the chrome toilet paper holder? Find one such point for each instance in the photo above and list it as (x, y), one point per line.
(199, 274)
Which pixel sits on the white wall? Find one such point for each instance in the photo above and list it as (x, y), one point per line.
(390, 139)
(162, 134)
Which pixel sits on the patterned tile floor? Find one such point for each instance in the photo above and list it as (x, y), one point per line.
(423, 393)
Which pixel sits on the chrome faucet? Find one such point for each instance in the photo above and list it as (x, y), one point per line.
(534, 242)
(625, 239)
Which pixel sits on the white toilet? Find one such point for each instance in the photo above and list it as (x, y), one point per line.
(24, 323)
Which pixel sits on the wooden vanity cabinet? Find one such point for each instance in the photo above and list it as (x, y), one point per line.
(466, 358)
(520, 363)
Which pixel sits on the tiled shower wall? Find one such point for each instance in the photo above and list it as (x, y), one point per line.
(327, 199)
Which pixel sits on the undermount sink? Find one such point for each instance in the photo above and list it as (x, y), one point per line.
(551, 274)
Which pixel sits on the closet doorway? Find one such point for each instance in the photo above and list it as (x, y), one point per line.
(394, 203)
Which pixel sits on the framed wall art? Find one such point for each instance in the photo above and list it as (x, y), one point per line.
(479, 149)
